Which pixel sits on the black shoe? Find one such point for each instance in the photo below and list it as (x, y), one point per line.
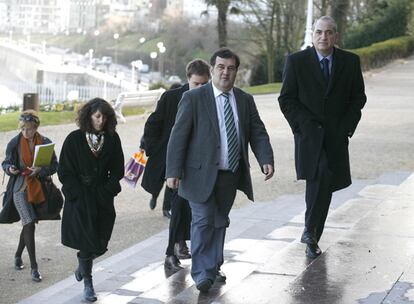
(308, 238)
(36, 275)
(220, 276)
(204, 285)
(172, 262)
(18, 263)
(166, 213)
(313, 251)
(153, 203)
(88, 291)
(182, 251)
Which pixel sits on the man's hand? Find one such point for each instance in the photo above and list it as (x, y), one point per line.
(13, 170)
(172, 182)
(35, 171)
(268, 171)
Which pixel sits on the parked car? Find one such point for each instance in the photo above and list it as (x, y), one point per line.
(174, 79)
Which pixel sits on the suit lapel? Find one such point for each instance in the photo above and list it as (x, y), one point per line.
(212, 108)
(241, 111)
(337, 66)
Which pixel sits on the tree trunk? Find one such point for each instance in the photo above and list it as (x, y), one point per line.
(339, 12)
(222, 8)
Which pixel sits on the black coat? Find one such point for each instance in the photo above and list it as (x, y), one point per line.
(9, 213)
(322, 116)
(89, 184)
(157, 132)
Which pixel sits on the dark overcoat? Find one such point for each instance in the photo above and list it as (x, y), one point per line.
(321, 115)
(89, 184)
(9, 213)
(157, 132)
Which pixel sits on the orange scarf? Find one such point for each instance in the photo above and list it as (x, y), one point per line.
(35, 193)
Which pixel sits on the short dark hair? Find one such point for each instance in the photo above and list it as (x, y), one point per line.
(197, 67)
(224, 53)
(84, 120)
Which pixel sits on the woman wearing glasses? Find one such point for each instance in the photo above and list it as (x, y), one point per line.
(91, 165)
(24, 189)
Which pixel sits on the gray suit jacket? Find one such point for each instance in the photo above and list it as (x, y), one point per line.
(194, 146)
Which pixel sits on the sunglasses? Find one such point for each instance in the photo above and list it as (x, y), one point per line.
(29, 118)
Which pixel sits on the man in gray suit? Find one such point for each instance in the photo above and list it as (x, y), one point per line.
(207, 160)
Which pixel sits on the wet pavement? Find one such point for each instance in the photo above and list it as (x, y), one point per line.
(368, 250)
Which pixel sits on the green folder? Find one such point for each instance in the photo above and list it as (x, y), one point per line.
(43, 155)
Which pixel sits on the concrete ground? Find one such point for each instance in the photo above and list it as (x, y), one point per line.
(383, 142)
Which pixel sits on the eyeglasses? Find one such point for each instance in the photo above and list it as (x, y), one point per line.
(29, 118)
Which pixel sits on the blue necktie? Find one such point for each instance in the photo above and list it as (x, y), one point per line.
(232, 142)
(325, 69)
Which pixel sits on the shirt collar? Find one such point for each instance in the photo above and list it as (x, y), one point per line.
(320, 57)
(218, 92)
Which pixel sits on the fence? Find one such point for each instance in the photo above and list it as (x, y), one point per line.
(57, 93)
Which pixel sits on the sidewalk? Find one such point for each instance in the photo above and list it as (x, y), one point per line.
(368, 247)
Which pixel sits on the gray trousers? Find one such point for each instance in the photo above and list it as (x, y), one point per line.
(208, 227)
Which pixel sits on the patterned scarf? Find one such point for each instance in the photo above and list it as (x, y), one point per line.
(35, 193)
(95, 142)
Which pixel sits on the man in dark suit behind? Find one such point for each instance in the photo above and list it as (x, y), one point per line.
(156, 134)
(207, 160)
(321, 98)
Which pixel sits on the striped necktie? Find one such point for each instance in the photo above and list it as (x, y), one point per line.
(232, 141)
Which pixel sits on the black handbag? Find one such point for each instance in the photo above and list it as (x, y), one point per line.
(51, 207)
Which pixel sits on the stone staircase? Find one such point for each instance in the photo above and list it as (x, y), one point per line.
(368, 247)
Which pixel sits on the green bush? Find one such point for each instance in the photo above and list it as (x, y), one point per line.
(388, 20)
(381, 53)
(159, 85)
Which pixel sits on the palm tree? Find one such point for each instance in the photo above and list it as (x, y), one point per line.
(222, 8)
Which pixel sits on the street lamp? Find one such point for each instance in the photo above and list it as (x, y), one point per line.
(96, 33)
(116, 37)
(137, 64)
(142, 40)
(153, 55)
(90, 52)
(308, 31)
(161, 60)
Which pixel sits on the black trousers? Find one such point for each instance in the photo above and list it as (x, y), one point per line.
(318, 198)
(180, 221)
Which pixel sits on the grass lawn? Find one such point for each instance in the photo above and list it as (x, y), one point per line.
(264, 88)
(9, 121)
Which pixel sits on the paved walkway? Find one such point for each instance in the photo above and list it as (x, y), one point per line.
(368, 249)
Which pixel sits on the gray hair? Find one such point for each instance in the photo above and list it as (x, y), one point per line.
(326, 19)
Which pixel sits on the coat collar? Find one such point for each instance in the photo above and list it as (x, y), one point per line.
(337, 65)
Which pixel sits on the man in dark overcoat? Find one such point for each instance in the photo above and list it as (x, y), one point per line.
(156, 135)
(321, 98)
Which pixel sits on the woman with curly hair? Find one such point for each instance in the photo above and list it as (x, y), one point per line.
(24, 189)
(91, 165)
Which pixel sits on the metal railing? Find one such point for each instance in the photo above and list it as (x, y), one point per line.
(58, 93)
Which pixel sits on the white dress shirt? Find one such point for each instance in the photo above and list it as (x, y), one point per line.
(223, 161)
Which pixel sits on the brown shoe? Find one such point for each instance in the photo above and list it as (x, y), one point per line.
(173, 263)
(182, 251)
